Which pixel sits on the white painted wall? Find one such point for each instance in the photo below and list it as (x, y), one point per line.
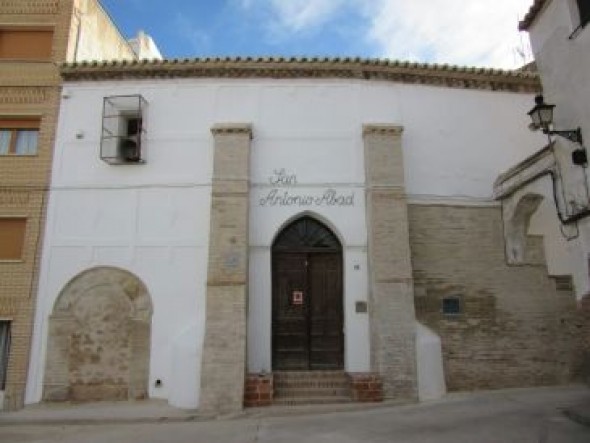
(153, 219)
(429, 362)
(563, 256)
(564, 66)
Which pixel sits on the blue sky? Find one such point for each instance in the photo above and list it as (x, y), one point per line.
(465, 32)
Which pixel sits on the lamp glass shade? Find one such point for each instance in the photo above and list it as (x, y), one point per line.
(546, 114)
(542, 113)
(535, 117)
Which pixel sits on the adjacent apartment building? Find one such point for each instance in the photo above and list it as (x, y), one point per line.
(35, 37)
(547, 195)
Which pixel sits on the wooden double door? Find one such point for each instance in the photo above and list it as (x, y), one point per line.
(307, 311)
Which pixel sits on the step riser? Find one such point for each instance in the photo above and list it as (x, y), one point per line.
(292, 388)
(301, 393)
(307, 375)
(311, 401)
(310, 384)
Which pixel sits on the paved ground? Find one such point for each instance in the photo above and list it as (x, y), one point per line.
(520, 415)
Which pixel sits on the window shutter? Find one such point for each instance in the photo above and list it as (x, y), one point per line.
(12, 237)
(19, 123)
(26, 44)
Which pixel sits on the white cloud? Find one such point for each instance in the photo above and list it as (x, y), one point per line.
(473, 32)
(294, 16)
(298, 15)
(465, 32)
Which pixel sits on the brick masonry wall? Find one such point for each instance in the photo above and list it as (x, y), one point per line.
(515, 328)
(27, 88)
(258, 390)
(99, 339)
(391, 307)
(224, 348)
(365, 387)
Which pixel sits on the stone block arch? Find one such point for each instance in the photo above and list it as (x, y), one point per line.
(99, 338)
(311, 215)
(517, 219)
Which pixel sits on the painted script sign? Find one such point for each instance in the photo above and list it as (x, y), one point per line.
(280, 196)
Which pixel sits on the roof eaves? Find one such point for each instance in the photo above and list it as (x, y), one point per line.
(278, 67)
(532, 15)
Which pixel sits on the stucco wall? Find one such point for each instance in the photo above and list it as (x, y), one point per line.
(153, 219)
(564, 66)
(564, 63)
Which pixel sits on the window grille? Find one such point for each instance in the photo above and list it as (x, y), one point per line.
(123, 130)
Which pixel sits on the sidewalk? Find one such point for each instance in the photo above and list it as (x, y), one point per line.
(159, 411)
(97, 413)
(156, 410)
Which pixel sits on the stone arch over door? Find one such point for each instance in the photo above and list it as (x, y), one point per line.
(99, 338)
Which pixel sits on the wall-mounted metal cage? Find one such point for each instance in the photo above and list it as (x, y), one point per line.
(123, 135)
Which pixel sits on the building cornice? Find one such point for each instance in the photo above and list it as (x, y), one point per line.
(532, 15)
(382, 129)
(29, 7)
(232, 129)
(297, 68)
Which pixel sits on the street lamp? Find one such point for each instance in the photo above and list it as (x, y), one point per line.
(542, 117)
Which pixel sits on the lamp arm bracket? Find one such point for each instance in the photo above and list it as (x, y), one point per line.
(573, 135)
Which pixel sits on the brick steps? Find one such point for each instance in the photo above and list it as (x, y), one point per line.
(312, 383)
(307, 391)
(293, 388)
(311, 401)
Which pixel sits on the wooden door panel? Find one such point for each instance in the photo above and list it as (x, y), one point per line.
(310, 335)
(290, 340)
(326, 335)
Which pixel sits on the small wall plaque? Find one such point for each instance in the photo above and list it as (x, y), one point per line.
(297, 298)
(361, 306)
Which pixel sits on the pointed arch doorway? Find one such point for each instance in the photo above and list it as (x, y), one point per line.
(307, 305)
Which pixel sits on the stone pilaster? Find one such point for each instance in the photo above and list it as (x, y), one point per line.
(392, 316)
(224, 349)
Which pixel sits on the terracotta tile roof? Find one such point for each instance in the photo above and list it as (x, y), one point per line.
(307, 67)
(530, 17)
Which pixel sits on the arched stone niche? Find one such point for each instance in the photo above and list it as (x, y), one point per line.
(99, 338)
(517, 217)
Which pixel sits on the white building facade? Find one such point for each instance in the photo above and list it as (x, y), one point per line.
(561, 45)
(278, 215)
(547, 195)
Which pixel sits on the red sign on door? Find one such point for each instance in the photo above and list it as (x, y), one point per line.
(297, 298)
